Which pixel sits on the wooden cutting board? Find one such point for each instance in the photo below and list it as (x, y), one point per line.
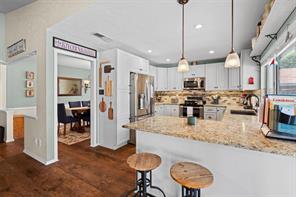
(110, 111)
(102, 105)
(100, 76)
(108, 87)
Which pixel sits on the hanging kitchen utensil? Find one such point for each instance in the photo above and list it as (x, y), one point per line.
(102, 105)
(110, 111)
(108, 69)
(100, 76)
(108, 87)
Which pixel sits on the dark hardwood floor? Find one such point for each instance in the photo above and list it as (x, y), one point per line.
(80, 171)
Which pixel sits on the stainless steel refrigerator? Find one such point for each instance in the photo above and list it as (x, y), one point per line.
(141, 99)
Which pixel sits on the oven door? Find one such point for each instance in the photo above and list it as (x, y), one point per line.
(197, 111)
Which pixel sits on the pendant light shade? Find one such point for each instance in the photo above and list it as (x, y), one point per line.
(183, 65)
(232, 60)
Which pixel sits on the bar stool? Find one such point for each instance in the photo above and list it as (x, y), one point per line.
(144, 163)
(192, 177)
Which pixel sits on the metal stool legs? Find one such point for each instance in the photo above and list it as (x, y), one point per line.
(187, 192)
(142, 184)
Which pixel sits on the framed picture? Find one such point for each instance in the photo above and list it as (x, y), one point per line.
(69, 86)
(30, 75)
(30, 93)
(30, 84)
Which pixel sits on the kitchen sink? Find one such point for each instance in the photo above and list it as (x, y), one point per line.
(244, 112)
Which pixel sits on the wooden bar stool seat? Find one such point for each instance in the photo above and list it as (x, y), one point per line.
(192, 177)
(144, 163)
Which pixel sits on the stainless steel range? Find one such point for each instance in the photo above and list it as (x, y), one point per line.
(195, 104)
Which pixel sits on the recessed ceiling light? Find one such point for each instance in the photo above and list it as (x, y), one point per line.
(198, 26)
(149, 51)
(211, 52)
(168, 60)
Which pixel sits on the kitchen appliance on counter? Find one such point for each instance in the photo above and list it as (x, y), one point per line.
(195, 83)
(142, 100)
(194, 104)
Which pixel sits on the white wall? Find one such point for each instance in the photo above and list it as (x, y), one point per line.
(31, 23)
(2, 37)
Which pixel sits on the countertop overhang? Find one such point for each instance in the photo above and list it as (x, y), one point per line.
(240, 131)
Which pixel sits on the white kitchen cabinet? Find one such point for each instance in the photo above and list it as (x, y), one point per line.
(162, 79)
(222, 76)
(139, 65)
(175, 79)
(195, 71)
(167, 110)
(216, 77)
(234, 79)
(249, 69)
(174, 110)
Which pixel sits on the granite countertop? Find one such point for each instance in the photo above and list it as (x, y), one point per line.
(239, 131)
(166, 103)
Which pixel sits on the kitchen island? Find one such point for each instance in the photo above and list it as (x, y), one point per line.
(243, 161)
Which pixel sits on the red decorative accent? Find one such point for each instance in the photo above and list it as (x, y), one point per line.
(251, 80)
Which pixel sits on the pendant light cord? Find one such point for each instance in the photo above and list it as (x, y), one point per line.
(183, 27)
(232, 49)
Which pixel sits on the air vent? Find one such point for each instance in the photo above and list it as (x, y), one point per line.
(102, 37)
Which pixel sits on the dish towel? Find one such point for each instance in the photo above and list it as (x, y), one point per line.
(189, 111)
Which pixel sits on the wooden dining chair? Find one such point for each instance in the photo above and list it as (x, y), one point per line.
(63, 118)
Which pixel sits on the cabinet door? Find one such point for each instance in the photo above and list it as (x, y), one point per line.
(222, 77)
(195, 71)
(211, 77)
(175, 79)
(175, 110)
(139, 65)
(234, 79)
(162, 79)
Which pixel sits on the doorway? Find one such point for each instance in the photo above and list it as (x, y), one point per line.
(75, 88)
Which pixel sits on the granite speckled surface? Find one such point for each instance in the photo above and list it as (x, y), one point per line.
(239, 131)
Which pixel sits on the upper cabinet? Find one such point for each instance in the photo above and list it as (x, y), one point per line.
(162, 79)
(234, 79)
(175, 79)
(250, 72)
(195, 71)
(216, 77)
(139, 65)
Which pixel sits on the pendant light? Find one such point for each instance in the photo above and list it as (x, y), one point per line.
(183, 65)
(232, 60)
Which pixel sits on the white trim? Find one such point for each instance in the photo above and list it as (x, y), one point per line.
(9, 140)
(38, 158)
(93, 126)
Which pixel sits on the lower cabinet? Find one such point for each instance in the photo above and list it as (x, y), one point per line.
(167, 110)
(214, 113)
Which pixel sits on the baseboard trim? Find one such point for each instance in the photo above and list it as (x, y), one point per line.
(38, 158)
(10, 140)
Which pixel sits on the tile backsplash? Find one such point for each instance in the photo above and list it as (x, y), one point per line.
(226, 97)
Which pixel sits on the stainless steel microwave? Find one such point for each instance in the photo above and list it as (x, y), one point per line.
(194, 83)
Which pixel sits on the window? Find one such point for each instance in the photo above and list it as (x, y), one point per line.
(286, 75)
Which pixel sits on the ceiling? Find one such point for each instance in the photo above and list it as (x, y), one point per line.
(64, 60)
(10, 5)
(141, 25)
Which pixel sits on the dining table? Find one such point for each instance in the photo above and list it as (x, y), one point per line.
(78, 113)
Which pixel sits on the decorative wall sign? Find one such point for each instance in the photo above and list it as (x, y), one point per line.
(30, 75)
(73, 47)
(16, 48)
(30, 93)
(30, 84)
